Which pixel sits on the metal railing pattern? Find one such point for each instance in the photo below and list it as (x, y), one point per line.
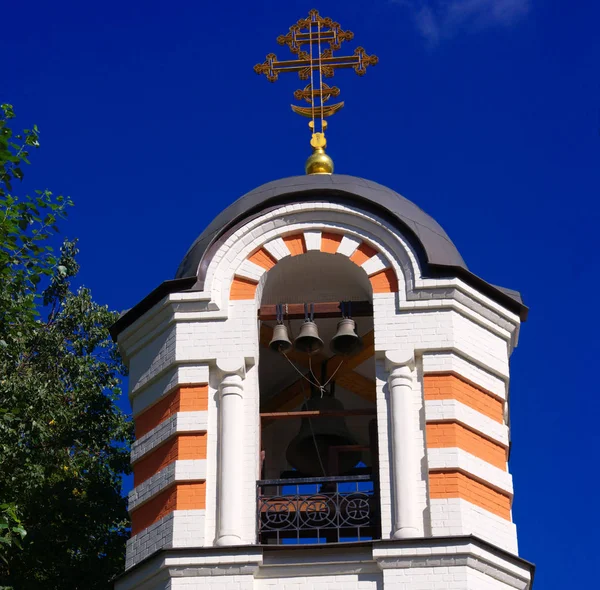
(317, 509)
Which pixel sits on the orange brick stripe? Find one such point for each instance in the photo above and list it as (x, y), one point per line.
(180, 447)
(454, 484)
(452, 387)
(181, 496)
(330, 242)
(183, 399)
(242, 288)
(295, 244)
(452, 434)
(263, 259)
(362, 254)
(384, 281)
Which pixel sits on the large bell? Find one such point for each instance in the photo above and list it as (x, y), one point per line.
(308, 340)
(346, 341)
(316, 436)
(280, 341)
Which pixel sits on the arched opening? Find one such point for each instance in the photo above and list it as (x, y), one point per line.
(319, 458)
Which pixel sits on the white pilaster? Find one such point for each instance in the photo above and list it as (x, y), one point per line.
(231, 447)
(400, 365)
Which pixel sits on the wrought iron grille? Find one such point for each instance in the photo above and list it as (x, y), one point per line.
(317, 510)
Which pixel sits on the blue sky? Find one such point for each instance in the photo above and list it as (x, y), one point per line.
(486, 113)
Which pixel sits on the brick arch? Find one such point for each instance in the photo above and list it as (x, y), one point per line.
(378, 268)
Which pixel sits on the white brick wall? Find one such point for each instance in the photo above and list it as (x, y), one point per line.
(331, 582)
(460, 564)
(235, 582)
(182, 470)
(151, 360)
(148, 394)
(179, 422)
(455, 516)
(448, 362)
(455, 458)
(426, 578)
(451, 409)
(383, 430)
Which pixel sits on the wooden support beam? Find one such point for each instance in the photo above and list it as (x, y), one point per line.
(295, 311)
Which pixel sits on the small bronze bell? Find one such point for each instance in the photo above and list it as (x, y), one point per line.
(308, 340)
(346, 341)
(280, 341)
(310, 447)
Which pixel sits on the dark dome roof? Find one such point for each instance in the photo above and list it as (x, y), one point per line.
(433, 245)
(436, 252)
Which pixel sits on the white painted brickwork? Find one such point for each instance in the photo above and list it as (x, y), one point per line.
(235, 582)
(179, 422)
(460, 564)
(182, 470)
(455, 516)
(250, 270)
(348, 246)
(383, 431)
(448, 362)
(181, 528)
(437, 410)
(312, 239)
(145, 396)
(157, 536)
(455, 458)
(156, 356)
(211, 460)
(277, 248)
(435, 329)
(374, 264)
(332, 582)
(426, 578)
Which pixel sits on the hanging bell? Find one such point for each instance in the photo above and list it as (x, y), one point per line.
(346, 341)
(308, 451)
(308, 340)
(280, 341)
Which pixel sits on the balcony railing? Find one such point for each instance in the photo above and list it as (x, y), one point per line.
(317, 510)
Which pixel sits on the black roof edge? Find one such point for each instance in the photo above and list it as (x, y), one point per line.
(138, 310)
(415, 541)
(492, 291)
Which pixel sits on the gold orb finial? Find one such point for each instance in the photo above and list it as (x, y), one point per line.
(318, 162)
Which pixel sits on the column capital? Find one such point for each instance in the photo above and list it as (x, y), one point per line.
(232, 366)
(399, 358)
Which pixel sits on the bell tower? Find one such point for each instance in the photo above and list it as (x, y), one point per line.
(320, 395)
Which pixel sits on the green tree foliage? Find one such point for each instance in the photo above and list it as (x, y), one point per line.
(64, 443)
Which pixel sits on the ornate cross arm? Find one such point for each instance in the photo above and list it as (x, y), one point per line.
(272, 67)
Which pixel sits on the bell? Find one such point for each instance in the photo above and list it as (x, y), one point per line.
(308, 340)
(346, 341)
(280, 341)
(308, 451)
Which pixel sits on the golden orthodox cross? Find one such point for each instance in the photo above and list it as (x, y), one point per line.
(313, 41)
